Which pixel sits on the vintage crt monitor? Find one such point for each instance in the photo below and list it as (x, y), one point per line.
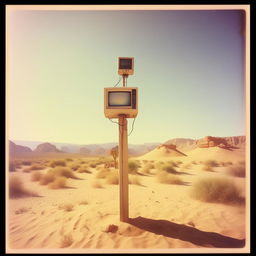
(121, 100)
(125, 66)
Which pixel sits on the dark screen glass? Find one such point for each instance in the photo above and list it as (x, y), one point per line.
(119, 99)
(125, 64)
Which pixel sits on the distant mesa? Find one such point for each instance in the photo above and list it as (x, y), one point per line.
(46, 148)
(84, 151)
(17, 149)
(65, 149)
(222, 142)
(182, 144)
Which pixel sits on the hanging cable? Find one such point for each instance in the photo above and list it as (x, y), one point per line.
(118, 81)
(132, 127)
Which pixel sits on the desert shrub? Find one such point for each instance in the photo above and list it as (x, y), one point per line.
(69, 159)
(167, 178)
(59, 182)
(207, 168)
(194, 162)
(74, 167)
(83, 169)
(66, 207)
(36, 167)
(83, 202)
(36, 176)
(62, 171)
(26, 162)
(185, 166)
(102, 173)
(93, 165)
(57, 162)
(237, 170)
(112, 177)
(172, 163)
(211, 163)
(220, 190)
(134, 179)
(96, 184)
(16, 188)
(22, 210)
(133, 166)
(27, 169)
(159, 165)
(168, 168)
(12, 167)
(147, 167)
(66, 241)
(46, 178)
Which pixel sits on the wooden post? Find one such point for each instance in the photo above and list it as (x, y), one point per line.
(123, 168)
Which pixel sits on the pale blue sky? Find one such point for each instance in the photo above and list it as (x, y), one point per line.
(188, 68)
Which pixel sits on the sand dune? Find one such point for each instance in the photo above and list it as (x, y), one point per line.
(162, 216)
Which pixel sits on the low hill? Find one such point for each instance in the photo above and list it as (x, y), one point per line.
(15, 149)
(46, 148)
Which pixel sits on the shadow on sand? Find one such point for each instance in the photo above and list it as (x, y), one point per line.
(186, 233)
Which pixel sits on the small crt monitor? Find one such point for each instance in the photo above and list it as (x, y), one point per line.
(121, 101)
(125, 66)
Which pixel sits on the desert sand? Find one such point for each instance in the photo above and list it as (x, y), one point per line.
(85, 214)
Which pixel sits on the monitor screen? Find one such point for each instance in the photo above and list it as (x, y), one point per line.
(125, 64)
(116, 99)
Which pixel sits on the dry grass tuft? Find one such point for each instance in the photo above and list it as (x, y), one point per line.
(36, 176)
(66, 241)
(102, 173)
(83, 169)
(207, 168)
(66, 207)
(167, 178)
(133, 166)
(57, 162)
(211, 163)
(135, 180)
(112, 177)
(237, 170)
(62, 171)
(26, 162)
(147, 167)
(59, 182)
(219, 190)
(46, 178)
(16, 188)
(84, 202)
(96, 184)
(37, 167)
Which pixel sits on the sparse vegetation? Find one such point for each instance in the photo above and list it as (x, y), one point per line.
(36, 176)
(211, 163)
(57, 162)
(96, 184)
(26, 162)
(237, 170)
(46, 178)
(16, 188)
(83, 169)
(84, 202)
(147, 167)
(133, 166)
(66, 241)
(167, 178)
(218, 190)
(207, 168)
(102, 173)
(66, 207)
(62, 171)
(112, 177)
(134, 179)
(58, 182)
(74, 166)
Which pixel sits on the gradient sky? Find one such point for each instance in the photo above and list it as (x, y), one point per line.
(188, 68)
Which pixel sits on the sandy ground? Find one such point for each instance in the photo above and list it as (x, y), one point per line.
(162, 216)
